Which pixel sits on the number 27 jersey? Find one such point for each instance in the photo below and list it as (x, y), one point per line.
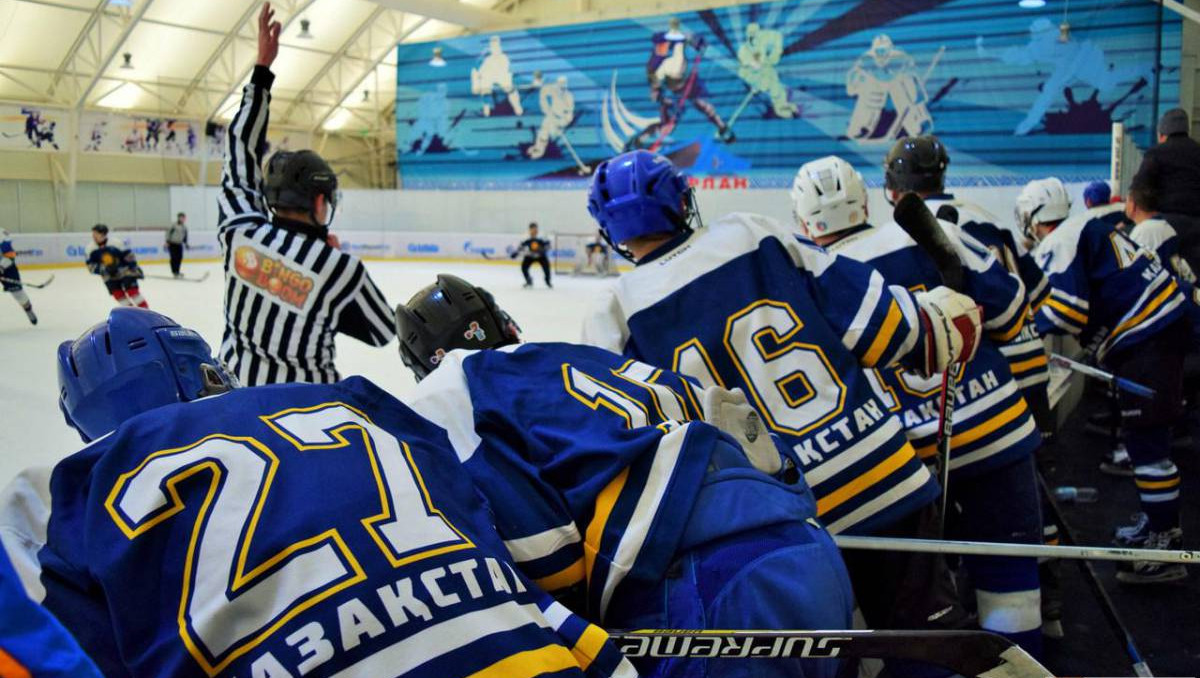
(295, 530)
(744, 304)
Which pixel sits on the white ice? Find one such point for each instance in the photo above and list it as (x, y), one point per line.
(33, 431)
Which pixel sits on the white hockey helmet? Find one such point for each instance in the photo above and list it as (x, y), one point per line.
(1042, 201)
(828, 196)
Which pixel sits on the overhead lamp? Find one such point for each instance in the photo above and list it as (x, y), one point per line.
(1031, 4)
(366, 95)
(304, 33)
(437, 61)
(127, 64)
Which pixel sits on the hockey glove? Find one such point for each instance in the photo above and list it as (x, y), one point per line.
(729, 411)
(951, 324)
(5, 263)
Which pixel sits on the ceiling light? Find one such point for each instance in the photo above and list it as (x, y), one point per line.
(366, 95)
(437, 61)
(338, 120)
(128, 61)
(1031, 4)
(304, 34)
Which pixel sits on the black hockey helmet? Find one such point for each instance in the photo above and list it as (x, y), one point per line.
(296, 178)
(102, 229)
(451, 313)
(917, 165)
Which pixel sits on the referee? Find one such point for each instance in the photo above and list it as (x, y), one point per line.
(288, 288)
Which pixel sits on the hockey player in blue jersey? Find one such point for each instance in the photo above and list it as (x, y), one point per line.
(10, 276)
(1115, 295)
(117, 267)
(992, 488)
(655, 503)
(1098, 196)
(284, 530)
(743, 303)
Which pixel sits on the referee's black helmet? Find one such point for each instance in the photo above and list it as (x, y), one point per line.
(451, 313)
(296, 178)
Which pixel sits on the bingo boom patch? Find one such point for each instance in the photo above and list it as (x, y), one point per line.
(271, 274)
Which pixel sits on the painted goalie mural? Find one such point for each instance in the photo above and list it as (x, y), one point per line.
(748, 93)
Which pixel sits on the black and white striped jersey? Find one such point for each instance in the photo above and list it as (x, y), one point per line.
(287, 292)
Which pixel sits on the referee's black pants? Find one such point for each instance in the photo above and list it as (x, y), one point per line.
(176, 254)
(528, 261)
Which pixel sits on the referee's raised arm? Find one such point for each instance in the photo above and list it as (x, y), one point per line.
(288, 288)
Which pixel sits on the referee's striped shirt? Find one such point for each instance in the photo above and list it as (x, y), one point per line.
(286, 292)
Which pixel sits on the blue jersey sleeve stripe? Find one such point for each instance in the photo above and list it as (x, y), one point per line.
(542, 544)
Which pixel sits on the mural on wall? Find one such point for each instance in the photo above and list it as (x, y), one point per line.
(33, 128)
(747, 93)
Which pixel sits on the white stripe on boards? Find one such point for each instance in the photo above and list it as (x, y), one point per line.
(915, 481)
(866, 310)
(854, 454)
(542, 544)
(996, 446)
(662, 470)
(441, 639)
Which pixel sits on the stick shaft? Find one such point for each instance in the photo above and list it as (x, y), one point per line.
(1097, 373)
(981, 548)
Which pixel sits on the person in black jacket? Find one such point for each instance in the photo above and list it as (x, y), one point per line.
(534, 249)
(1171, 170)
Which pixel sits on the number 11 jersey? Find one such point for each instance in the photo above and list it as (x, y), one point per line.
(744, 304)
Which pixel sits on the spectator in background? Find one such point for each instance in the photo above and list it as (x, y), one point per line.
(1098, 196)
(177, 240)
(534, 249)
(1171, 170)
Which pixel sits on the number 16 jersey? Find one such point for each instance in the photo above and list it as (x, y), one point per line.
(744, 304)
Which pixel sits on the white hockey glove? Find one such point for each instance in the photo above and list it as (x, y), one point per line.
(952, 324)
(5, 263)
(730, 412)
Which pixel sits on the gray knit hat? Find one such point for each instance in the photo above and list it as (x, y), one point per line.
(1174, 121)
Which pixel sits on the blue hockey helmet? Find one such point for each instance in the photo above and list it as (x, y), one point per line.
(1097, 193)
(639, 193)
(134, 361)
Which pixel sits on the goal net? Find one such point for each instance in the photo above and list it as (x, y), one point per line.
(579, 254)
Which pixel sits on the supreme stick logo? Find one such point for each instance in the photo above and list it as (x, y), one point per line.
(272, 275)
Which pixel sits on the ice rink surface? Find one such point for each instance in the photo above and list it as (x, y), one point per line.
(34, 432)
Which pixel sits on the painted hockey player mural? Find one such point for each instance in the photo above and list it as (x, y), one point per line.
(758, 55)
(735, 95)
(494, 73)
(885, 72)
(1070, 62)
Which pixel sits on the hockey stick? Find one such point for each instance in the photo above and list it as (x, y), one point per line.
(981, 548)
(584, 170)
(1107, 377)
(1140, 668)
(919, 223)
(737, 113)
(22, 283)
(200, 279)
(969, 653)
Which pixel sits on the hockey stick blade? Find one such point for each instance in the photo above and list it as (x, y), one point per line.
(969, 653)
(919, 223)
(1097, 373)
(980, 548)
(199, 279)
(22, 283)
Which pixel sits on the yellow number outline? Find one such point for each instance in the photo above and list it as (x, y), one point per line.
(785, 345)
(386, 512)
(241, 578)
